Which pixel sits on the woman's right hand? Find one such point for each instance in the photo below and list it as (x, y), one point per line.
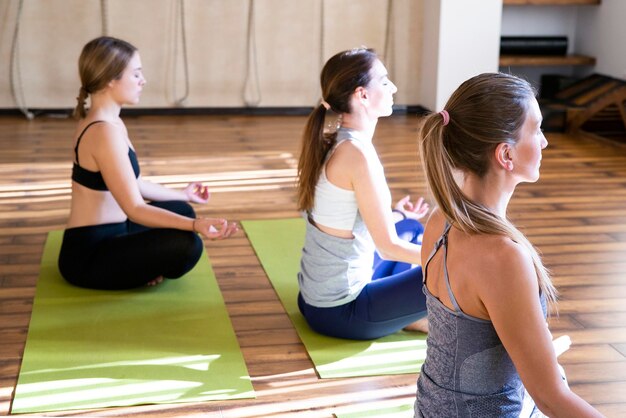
(412, 210)
(215, 228)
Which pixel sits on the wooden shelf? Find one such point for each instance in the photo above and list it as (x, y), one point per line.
(550, 2)
(545, 60)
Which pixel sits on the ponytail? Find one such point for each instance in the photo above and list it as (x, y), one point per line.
(79, 110)
(315, 145)
(450, 145)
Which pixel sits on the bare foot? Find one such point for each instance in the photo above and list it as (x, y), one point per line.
(155, 281)
(419, 326)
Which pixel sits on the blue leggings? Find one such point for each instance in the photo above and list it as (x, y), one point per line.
(391, 301)
(125, 255)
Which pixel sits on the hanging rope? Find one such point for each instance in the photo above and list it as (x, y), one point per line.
(251, 65)
(322, 34)
(104, 17)
(180, 16)
(15, 73)
(388, 36)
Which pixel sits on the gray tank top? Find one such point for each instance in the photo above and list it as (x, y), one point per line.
(467, 372)
(334, 270)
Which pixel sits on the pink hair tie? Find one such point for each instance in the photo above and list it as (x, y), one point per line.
(446, 117)
(325, 104)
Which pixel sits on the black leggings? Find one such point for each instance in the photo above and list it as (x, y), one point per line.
(126, 255)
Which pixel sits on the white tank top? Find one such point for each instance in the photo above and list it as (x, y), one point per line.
(333, 206)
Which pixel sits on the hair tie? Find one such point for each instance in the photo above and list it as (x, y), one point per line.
(446, 117)
(325, 104)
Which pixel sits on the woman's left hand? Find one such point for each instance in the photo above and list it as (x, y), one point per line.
(197, 193)
(412, 210)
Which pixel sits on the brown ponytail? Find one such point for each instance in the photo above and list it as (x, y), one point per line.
(80, 111)
(315, 145)
(484, 111)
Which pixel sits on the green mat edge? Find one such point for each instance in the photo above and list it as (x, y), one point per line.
(308, 336)
(49, 260)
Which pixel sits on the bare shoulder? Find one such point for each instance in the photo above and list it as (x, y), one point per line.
(349, 151)
(504, 253)
(434, 228)
(105, 136)
(507, 266)
(348, 160)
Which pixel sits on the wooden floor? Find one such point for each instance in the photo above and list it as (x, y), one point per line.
(576, 215)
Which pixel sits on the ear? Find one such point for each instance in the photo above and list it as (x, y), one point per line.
(504, 156)
(361, 93)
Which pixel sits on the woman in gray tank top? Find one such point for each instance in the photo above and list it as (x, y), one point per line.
(490, 353)
(346, 291)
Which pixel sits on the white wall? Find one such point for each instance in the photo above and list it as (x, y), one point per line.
(430, 51)
(289, 46)
(531, 20)
(602, 33)
(541, 21)
(461, 39)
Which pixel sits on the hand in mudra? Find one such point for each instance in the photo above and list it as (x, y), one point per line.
(412, 210)
(197, 193)
(215, 228)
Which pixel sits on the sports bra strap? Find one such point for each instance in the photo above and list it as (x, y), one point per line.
(81, 136)
(443, 242)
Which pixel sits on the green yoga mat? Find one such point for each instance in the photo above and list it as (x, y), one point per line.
(164, 344)
(278, 244)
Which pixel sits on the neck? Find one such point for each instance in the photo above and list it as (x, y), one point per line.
(358, 122)
(104, 107)
(491, 191)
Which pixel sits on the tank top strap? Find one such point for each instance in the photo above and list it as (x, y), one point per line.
(442, 242)
(81, 137)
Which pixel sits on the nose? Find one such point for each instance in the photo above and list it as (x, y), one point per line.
(544, 141)
(394, 89)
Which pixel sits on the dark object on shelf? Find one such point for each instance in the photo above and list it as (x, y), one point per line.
(595, 105)
(551, 84)
(533, 45)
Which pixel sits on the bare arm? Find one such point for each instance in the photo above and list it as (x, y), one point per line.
(510, 293)
(111, 156)
(195, 192)
(374, 202)
(159, 193)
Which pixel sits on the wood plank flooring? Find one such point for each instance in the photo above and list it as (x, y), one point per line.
(575, 214)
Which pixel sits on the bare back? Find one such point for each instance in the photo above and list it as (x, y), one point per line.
(470, 262)
(94, 207)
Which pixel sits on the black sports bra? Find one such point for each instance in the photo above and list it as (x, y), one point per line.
(93, 179)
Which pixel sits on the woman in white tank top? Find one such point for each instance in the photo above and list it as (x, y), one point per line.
(346, 288)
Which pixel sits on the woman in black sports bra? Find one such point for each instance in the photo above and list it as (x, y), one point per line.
(114, 238)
